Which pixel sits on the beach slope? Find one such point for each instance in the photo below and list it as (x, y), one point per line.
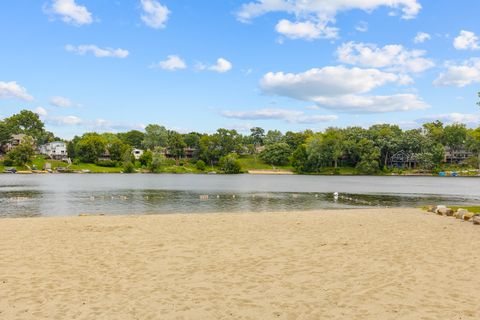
(349, 264)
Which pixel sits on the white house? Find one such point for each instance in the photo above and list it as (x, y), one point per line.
(137, 153)
(55, 150)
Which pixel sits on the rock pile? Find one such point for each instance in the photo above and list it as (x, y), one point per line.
(460, 213)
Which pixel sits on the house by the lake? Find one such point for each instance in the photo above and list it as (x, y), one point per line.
(56, 150)
(137, 153)
(16, 140)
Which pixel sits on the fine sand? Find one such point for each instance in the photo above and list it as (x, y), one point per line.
(358, 264)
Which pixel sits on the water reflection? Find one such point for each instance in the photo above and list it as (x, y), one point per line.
(36, 203)
(62, 195)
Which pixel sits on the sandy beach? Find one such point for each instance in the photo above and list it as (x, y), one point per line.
(349, 264)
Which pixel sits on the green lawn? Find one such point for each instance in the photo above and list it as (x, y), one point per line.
(474, 209)
(252, 163)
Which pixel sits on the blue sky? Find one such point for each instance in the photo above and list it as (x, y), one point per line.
(191, 65)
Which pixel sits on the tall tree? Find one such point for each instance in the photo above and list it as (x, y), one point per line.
(473, 143)
(434, 131)
(23, 153)
(387, 138)
(90, 147)
(26, 122)
(273, 136)
(133, 138)
(257, 136)
(276, 154)
(176, 145)
(5, 134)
(455, 136)
(155, 136)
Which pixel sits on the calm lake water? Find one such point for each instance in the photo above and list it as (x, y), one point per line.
(63, 194)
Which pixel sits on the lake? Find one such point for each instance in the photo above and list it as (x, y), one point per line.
(73, 194)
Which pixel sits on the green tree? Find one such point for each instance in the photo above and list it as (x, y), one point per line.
(176, 145)
(276, 154)
(473, 143)
(257, 136)
(128, 167)
(295, 139)
(117, 149)
(299, 159)
(455, 136)
(192, 140)
(230, 164)
(146, 158)
(387, 138)
(369, 156)
(133, 138)
(5, 134)
(200, 165)
(158, 160)
(26, 122)
(23, 153)
(209, 149)
(90, 147)
(273, 136)
(155, 136)
(434, 131)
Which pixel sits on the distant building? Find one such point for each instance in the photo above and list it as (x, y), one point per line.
(137, 153)
(456, 156)
(16, 140)
(188, 153)
(54, 150)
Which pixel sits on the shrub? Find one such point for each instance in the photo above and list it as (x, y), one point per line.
(229, 164)
(128, 167)
(107, 163)
(276, 154)
(200, 165)
(146, 158)
(8, 162)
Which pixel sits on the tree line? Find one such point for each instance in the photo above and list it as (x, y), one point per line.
(368, 150)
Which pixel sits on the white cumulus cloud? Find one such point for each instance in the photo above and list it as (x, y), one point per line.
(460, 75)
(60, 102)
(372, 104)
(314, 17)
(221, 66)
(155, 15)
(70, 12)
(421, 37)
(97, 51)
(172, 63)
(305, 30)
(466, 40)
(41, 111)
(342, 89)
(394, 57)
(291, 116)
(327, 81)
(454, 117)
(13, 90)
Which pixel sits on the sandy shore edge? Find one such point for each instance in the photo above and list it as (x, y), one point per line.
(328, 264)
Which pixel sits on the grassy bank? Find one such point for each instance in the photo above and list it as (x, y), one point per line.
(248, 163)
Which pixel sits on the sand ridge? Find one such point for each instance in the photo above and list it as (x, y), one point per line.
(346, 264)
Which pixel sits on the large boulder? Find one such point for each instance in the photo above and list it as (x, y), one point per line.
(459, 213)
(476, 219)
(468, 216)
(438, 208)
(445, 212)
